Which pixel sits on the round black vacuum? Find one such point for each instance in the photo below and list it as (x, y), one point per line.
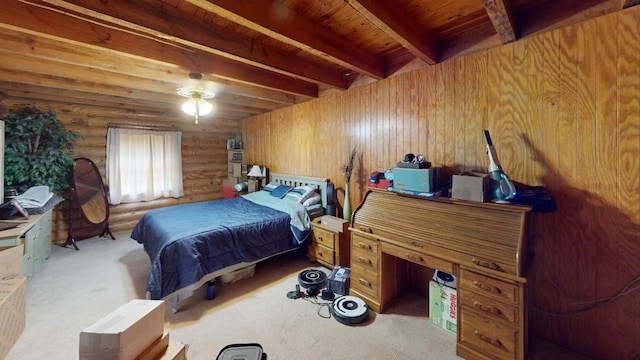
(313, 280)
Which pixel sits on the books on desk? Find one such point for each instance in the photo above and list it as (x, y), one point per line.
(35, 197)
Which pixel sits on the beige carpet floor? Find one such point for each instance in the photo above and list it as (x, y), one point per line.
(73, 289)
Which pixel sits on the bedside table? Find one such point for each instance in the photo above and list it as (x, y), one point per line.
(330, 242)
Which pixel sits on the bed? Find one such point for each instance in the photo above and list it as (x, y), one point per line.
(190, 245)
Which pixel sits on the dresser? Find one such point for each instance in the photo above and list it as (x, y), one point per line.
(35, 234)
(329, 241)
(483, 244)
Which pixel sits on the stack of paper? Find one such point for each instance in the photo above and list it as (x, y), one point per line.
(35, 197)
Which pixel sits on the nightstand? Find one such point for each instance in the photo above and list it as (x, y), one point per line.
(330, 242)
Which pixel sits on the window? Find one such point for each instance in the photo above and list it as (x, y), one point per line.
(143, 165)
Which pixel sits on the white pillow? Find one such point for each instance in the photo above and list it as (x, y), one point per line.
(313, 199)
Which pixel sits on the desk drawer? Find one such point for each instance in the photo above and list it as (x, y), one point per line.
(364, 243)
(418, 257)
(487, 306)
(365, 280)
(488, 286)
(492, 338)
(324, 237)
(365, 259)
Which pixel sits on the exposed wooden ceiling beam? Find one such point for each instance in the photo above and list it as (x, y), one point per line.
(629, 3)
(296, 31)
(501, 16)
(393, 22)
(51, 50)
(92, 34)
(177, 26)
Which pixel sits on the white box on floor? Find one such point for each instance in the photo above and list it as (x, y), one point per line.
(125, 333)
(443, 306)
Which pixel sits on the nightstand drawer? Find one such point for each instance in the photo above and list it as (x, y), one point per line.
(324, 237)
(317, 252)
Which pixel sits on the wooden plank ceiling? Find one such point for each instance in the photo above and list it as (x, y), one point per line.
(262, 54)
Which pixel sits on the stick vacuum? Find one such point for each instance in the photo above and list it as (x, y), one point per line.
(502, 188)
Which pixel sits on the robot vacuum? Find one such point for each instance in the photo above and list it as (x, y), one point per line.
(349, 310)
(313, 280)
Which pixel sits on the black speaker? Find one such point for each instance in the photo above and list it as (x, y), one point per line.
(331, 207)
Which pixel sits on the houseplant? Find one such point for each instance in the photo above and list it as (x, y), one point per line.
(38, 150)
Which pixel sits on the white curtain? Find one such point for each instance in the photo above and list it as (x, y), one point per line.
(143, 165)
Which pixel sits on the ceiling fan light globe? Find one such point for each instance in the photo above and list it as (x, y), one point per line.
(189, 107)
(203, 107)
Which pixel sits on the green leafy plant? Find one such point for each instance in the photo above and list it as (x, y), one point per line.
(38, 150)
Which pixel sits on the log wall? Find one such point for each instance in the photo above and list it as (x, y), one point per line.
(204, 153)
(563, 109)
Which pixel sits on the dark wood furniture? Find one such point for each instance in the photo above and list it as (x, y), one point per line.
(483, 244)
(90, 196)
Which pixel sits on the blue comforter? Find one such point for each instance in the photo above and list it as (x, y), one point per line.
(187, 242)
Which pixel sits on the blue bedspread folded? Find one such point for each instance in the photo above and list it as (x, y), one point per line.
(187, 242)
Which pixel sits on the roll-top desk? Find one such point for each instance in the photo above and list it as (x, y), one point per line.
(483, 244)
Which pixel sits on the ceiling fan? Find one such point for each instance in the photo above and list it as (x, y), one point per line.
(197, 90)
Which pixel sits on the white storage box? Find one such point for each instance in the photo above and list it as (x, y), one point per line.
(125, 333)
(237, 275)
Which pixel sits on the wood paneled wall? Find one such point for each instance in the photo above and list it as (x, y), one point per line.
(204, 155)
(563, 109)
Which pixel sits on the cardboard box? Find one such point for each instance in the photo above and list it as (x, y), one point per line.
(11, 262)
(416, 180)
(443, 306)
(125, 333)
(157, 349)
(175, 351)
(471, 186)
(333, 223)
(12, 312)
(338, 280)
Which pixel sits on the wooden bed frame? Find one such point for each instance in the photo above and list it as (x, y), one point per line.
(176, 297)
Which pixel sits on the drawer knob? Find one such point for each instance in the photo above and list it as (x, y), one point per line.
(487, 309)
(365, 261)
(364, 246)
(366, 229)
(319, 237)
(364, 282)
(486, 264)
(488, 288)
(414, 257)
(495, 342)
(414, 243)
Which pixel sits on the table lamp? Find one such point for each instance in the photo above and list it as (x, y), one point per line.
(254, 175)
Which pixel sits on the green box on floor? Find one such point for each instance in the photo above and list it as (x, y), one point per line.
(443, 306)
